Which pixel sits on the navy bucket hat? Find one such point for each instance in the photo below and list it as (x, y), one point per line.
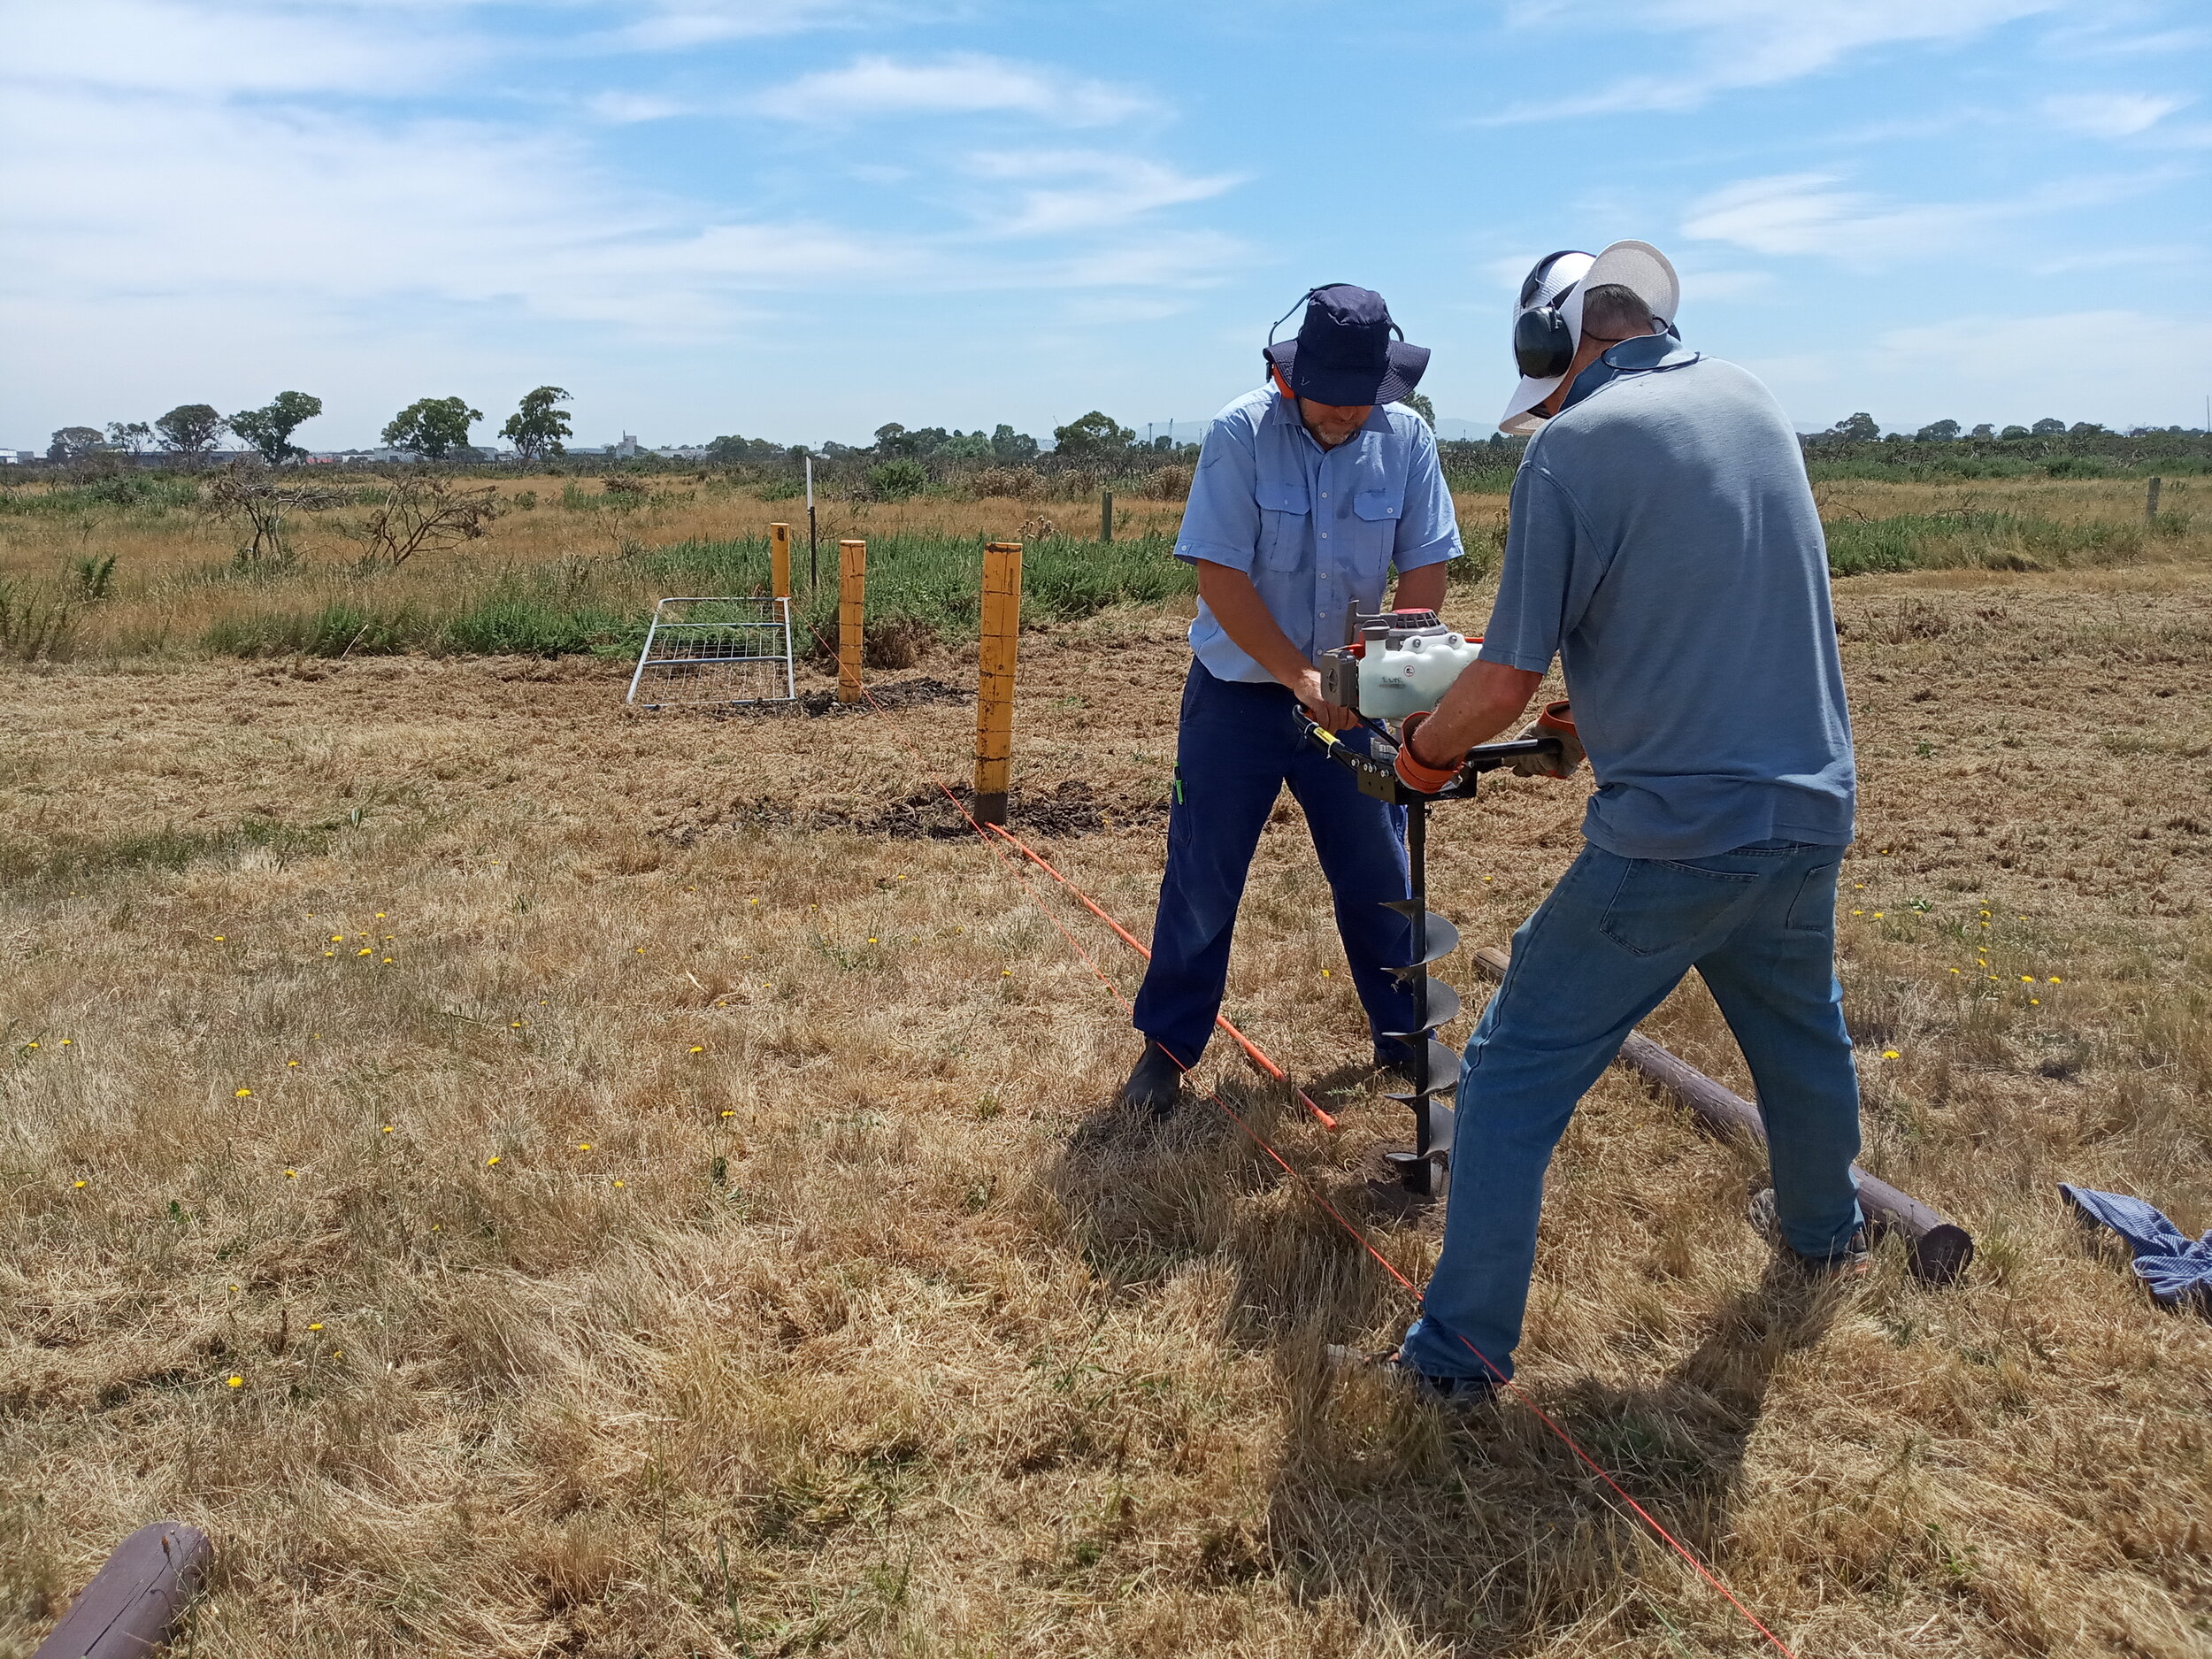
(1344, 353)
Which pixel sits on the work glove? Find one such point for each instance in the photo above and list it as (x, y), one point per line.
(1555, 721)
(1416, 774)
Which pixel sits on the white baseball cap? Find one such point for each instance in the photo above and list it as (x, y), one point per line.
(1560, 281)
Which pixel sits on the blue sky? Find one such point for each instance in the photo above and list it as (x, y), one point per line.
(800, 218)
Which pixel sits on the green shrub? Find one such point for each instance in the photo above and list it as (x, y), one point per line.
(518, 623)
(895, 480)
(341, 628)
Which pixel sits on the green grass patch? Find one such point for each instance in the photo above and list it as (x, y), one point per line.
(52, 861)
(1988, 541)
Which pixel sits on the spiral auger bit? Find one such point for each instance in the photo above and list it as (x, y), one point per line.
(1433, 1067)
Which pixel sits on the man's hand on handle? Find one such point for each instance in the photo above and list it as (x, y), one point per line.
(1328, 716)
(1414, 771)
(1556, 721)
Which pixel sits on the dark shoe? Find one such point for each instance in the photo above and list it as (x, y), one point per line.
(1854, 1258)
(1455, 1395)
(1156, 1084)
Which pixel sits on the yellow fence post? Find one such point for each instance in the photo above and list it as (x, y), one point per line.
(852, 604)
(995, 688)
(779, 560)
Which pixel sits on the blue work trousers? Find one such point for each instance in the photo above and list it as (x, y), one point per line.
(1603, 949)
(1236, 746)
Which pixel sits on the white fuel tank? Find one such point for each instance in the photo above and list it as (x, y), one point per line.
(1399, 679)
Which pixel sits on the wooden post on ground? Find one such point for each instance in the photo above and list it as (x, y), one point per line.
(995, 679)
(779, 560)
(1105, 515)
(134, 1603)
(2150, 504)
(852, 605)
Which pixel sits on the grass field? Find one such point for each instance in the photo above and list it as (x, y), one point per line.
(534, 1178)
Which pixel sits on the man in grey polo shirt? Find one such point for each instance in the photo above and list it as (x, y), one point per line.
(1665, 545)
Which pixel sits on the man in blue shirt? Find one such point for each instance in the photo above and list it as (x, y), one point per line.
(1308, 492)
(1664, 544)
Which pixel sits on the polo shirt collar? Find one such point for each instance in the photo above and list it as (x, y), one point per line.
(1644, 355)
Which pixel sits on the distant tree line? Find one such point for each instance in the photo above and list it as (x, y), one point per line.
(434, 428)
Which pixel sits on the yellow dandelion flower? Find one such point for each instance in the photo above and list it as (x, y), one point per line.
(30, 1045)
(752, 900)
(1889, 1054)
(337, 1352)
(379, 916)
(242, 1092)
(80, 1184)
(727, 1113)
(291, 1175)
(289, 1064)
(236, 1382)
(219, 938)
(315, 1328)
(2035, 1002)
(1954, 970)
(698, 1047)
(872, 939)
(491, 1160)
(2027, 979)
(330, 952)
(1858, 912)
(1325, 973)
(583, 1146)
(514, 1025)
(1877, 916)
(619, 1183)
(364, 951)
(2056, 980)
(65, 1041)
(337, 939)
(387, 961)
(387, 1129)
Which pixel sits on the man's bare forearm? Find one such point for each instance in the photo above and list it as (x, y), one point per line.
(1421, 588)
(1483, 702)
(1244, 617)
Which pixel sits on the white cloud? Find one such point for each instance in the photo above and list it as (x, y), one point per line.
(1086, 189)
(964, 83)
(1814, 213)
(1742, 43)
(629, 109)
(1808, 213)
(210, 50)
(2111, 114)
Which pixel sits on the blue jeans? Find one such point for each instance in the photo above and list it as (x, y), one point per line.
(1602, 951)
(1236, 747)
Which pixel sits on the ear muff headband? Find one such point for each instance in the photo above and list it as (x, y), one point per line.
(1543, 345)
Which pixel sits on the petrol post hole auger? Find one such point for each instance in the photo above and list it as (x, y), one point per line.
(1400, 663)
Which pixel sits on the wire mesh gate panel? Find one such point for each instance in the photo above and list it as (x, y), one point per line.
(705, 650)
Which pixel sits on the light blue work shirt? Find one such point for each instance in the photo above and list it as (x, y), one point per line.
(1665, 544)
(1317, 530)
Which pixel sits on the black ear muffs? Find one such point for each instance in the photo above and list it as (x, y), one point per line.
(1543, 345)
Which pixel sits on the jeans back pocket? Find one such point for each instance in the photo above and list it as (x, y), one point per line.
(1661, 906)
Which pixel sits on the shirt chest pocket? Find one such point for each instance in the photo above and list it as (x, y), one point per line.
(1285, 522)
(1373, 527)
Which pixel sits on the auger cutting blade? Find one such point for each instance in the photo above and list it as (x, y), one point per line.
(1443, 937)
(1444, 1008)
(1443, 1075)
(1442, 1121)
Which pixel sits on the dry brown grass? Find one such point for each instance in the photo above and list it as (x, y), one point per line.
(813, 1301)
